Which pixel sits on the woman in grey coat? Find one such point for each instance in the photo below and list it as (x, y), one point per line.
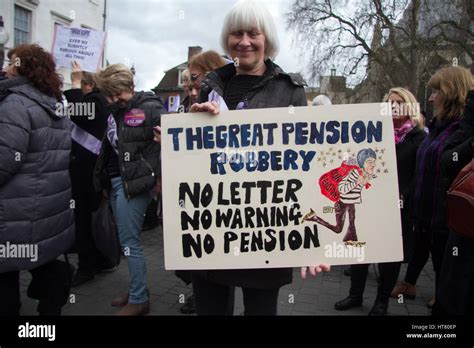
(36, 215)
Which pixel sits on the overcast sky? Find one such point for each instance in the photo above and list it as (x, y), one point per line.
(154, 35)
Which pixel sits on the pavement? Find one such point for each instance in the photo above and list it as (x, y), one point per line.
(313, 296)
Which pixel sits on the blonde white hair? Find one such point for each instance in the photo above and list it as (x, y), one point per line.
(411, 106)
(115, 79)
(247, 15)
(321, 100)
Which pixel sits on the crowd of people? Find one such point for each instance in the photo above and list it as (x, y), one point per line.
(50, 160)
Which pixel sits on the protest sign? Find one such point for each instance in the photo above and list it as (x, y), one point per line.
(280, 187)
(85, 46)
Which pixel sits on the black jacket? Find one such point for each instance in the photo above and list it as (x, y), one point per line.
(455, 290)
(457, 153)
(428, 177)
(276, 89)
(83, 160)
(35, 189)
(139, 155)
(406, 163)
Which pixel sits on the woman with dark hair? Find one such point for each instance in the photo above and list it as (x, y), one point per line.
(35, 189)
(455, 288)
(450, 86)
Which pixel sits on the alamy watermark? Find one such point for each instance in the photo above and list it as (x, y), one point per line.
(37, 331)
(238, 156)
(400, 109)
(339, 251)
(19, 251)
(76, 110)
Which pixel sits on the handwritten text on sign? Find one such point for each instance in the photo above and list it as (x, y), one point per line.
(265, 188)
(78, 44)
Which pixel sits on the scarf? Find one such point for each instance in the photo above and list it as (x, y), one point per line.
(402, 131)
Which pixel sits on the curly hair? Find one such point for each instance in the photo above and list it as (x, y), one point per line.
(38, 66)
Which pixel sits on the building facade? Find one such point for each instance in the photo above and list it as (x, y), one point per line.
(171, 87)
(332, 86)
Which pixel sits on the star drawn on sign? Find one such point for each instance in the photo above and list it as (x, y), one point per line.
(334, 154)
(324, 164)
(386, 171)
(378, 171)
(339, 150)
(382, 151)
(340, 157)
(383, 164)
(376, 150)
(331, 161)
(380, 158)
(330, 149)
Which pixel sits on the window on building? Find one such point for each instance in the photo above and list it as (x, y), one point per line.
(22, 26)
(171, 100)
(180, 78)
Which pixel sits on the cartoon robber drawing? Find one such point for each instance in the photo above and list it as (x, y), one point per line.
(343, 185)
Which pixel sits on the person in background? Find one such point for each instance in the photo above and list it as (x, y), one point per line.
(35, 188)
(450, 86)
(128, 170)
(254, 81)
(321, 100)
(186, 103)
(199, 66)
(408, 125)
(455, 288)
(89, 117)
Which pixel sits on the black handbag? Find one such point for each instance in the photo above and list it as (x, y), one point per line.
(460, 202)
(105, 233)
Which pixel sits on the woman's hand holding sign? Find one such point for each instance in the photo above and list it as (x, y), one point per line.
(211, 107)
(315, 270)
(76, 75)
(157, 133)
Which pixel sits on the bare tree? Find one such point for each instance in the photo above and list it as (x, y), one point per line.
(384, 43)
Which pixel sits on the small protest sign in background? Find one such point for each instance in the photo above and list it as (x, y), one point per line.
(286, 187)
(85, 46)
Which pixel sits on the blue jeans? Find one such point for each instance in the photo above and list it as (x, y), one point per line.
(129, 215)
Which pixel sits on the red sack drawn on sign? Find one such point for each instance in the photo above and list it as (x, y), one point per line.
(329, 182)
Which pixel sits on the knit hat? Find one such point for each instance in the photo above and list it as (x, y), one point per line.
(365, 154)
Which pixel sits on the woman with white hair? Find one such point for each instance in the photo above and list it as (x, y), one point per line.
(249, 37)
